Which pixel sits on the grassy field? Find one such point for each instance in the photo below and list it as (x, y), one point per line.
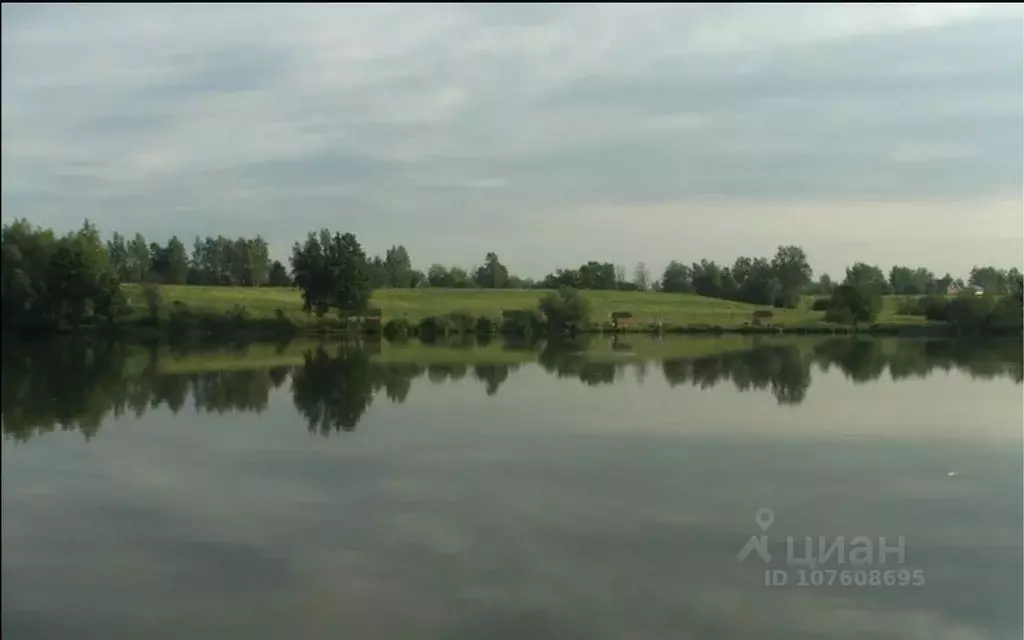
(414, 304)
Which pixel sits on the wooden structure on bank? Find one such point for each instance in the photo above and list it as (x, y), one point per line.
(621, 319)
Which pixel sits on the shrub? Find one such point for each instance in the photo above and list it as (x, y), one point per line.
(461, 322)
(565, 309)
(933, 307)
(397, 329)
(971, 312)
(820, 304)
(485, 326)
(1008, 315)
(433, 327)
(522, 322)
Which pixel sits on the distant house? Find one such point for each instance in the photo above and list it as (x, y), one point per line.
(953, 289)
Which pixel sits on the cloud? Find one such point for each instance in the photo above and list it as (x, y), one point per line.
(448, 128)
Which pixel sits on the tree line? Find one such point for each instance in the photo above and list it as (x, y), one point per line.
(54, 281)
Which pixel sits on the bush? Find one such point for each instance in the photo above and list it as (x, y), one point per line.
(933, 307)
(485, 326)
(433, 327)
(461, 322)
(522, 322)
(397, 329)
(565, 309)
(820, 304)
(971, 312)
(1008, 315)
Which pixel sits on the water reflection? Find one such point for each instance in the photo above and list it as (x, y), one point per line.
(76, 386)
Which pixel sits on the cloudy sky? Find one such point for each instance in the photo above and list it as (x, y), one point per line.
(551, 134)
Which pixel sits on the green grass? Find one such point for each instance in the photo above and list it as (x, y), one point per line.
(415, 304)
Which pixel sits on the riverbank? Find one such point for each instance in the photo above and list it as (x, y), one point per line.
(271, 313)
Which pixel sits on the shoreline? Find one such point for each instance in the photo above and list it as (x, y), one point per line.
(219, 328)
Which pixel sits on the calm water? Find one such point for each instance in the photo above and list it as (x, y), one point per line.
(599, 490)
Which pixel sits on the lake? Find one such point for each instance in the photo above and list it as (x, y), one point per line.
(609, 488)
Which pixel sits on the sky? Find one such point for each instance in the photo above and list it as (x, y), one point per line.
(549, 134)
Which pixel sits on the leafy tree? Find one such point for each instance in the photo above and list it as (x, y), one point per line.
(851, 305)
(278, 275)
(492, 274)
(707, 278)
(993, 280)
(677, 278)
(398, 268)
(907, 281)
(823, 286)
(599, 276)
(971, 312)
(459, 278)
(139, 256)
(175, 259)
(332, 272)
(50, 282)
(792, 271)
(437, 276)
(867, 278)
(565, 309)
(117, 253)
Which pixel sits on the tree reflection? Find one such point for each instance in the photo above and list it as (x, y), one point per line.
(333, 393)
(781, 369)
(79, 385)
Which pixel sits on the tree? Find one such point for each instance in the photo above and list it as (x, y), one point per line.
(117, 253)
(437, 276)
(459, 278)
(707, 279)
(51, 282)
(138, 259)
(791, 269)
(332, 272)
(492, 274)
(850, 304)
(823, 286)
(641, 277)
(867, 278)
(904, 280)
(759, 284)
(677, 278)
(175, 261)
(398, 267)
(278, 276)
(565, 309)
(993, 280)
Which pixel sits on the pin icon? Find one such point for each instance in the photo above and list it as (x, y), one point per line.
(764, 518)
